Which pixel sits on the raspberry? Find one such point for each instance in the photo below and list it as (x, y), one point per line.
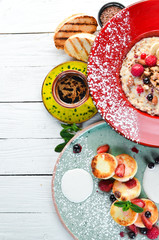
(143, 56)
(153, 233)
(139, 89)
(137, 70)
(105, 185)
(122, 234)
(151, 60)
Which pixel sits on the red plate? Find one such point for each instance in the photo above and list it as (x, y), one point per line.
(112, 43)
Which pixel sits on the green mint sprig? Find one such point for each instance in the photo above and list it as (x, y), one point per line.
(68, 132)
(125, 205)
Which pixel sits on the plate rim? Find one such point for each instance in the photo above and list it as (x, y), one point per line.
(55, 167)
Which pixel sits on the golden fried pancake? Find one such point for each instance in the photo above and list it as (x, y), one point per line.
(104, 165)
(152, 208)
(124, 193)
(123, 218)
(130, 167)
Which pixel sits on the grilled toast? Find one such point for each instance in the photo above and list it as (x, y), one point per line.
(79, 45)
(77, 23)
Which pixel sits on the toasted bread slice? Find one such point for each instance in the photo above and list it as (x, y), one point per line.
(126, 218)
(130, 167)
(79, 45)
(152, 208)
(77, 23)
(123, 193)
(103, 165)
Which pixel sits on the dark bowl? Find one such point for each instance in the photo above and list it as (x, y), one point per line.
(110, 4)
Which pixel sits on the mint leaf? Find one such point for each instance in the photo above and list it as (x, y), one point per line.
(125, 205)
(67, 133)
(60, 147)
(136, 208)
(119, 204)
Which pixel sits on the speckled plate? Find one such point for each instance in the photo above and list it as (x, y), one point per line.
(68, 115)
(90, 220)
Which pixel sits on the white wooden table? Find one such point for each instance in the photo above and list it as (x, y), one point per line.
(28, 133)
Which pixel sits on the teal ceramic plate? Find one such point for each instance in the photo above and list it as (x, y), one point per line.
(90, 220)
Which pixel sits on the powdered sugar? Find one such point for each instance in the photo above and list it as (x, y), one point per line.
(103, 75)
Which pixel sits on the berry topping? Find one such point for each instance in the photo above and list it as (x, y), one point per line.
(120, 170)
(146, 221)
(135, 56)
(153, 233)
(138, 202)
(131, 235)
(105, 185)
(112, 198)
(133, 228)
(131, 183)
(157, 160)
(151, 165)
(103, 148)
(143, 230)
(151, 60)
(143, 56)
(149, 97)
(77, 148)
(139, 89)
(137, 70)
(146, 80)
(134, 149)
(147, 214)
(122, 234)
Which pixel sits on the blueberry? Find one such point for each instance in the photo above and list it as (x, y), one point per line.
(77, 148)
(112, 198)
(147, 214)
(146, 80)
(131, 235)
(143, 231)
(157, 160)
(149, 97)
(151, 165)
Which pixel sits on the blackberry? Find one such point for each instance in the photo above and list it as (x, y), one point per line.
(157, 160)
(149, 97)
(151, 165)
(112, 198)
(147, 214)
(146, 80)
(131, 235)
(77, 148)
(143, 231)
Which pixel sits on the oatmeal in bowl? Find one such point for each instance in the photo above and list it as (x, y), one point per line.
(139, 75)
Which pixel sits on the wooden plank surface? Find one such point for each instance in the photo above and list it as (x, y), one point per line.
(43, 16)
(28, 156)
(23, 226)
(28, 133)
(26, 194)
(30, 50)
